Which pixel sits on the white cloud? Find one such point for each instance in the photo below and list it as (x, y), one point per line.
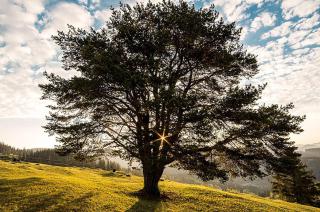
(103, 15)
(21, 6)
(308, 23)
(95, 1)
(26, 49)
(23, 43)
(253, 1)
(300, 51)
(297, 36)
(311, 39)
(264, 19)
(269, 53)
(301, 8)
(282, 30)
(294, 76)
(66, 13)
(291, 78)
(20, 96)
(244, 33)
(233, 10)
(34, 6)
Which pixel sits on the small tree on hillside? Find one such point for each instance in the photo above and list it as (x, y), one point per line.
(161, 84)
(293, 182)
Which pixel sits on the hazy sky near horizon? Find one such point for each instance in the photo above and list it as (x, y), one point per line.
(285, 36)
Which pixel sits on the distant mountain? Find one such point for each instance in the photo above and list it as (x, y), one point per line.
(303, 147)
(310, 155)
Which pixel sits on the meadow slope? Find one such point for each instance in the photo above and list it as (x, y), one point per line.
(39, 187)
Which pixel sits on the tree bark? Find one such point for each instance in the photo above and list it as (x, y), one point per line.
(152, 176)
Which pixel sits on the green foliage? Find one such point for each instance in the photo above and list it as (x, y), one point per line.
(161, 84)
(31, 187)
(293, 182)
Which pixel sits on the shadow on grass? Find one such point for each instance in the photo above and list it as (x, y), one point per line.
(34, 194)
(82, 203)
(6, 184)
(14, 194)
(145, 203)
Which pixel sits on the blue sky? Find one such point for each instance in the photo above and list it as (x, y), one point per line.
(285, 36)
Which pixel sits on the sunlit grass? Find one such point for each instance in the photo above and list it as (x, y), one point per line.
(32, 187)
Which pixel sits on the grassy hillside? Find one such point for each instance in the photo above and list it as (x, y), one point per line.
(32, 187)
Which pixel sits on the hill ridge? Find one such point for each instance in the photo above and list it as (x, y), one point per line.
(39, 187)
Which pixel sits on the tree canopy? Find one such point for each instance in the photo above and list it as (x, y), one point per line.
(162, 84)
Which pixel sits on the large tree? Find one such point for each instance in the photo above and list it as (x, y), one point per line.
(162, 84)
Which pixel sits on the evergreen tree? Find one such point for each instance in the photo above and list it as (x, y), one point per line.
(292, 181)
(161, 84)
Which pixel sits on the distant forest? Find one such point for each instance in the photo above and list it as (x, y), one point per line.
(49, 156)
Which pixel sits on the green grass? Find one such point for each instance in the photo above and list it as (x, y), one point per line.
(32, 187)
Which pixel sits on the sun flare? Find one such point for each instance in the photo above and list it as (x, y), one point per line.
(162, 138)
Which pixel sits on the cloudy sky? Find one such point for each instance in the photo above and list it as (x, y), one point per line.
(285, 35)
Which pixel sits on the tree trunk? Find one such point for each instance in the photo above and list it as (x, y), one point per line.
(151, 180)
